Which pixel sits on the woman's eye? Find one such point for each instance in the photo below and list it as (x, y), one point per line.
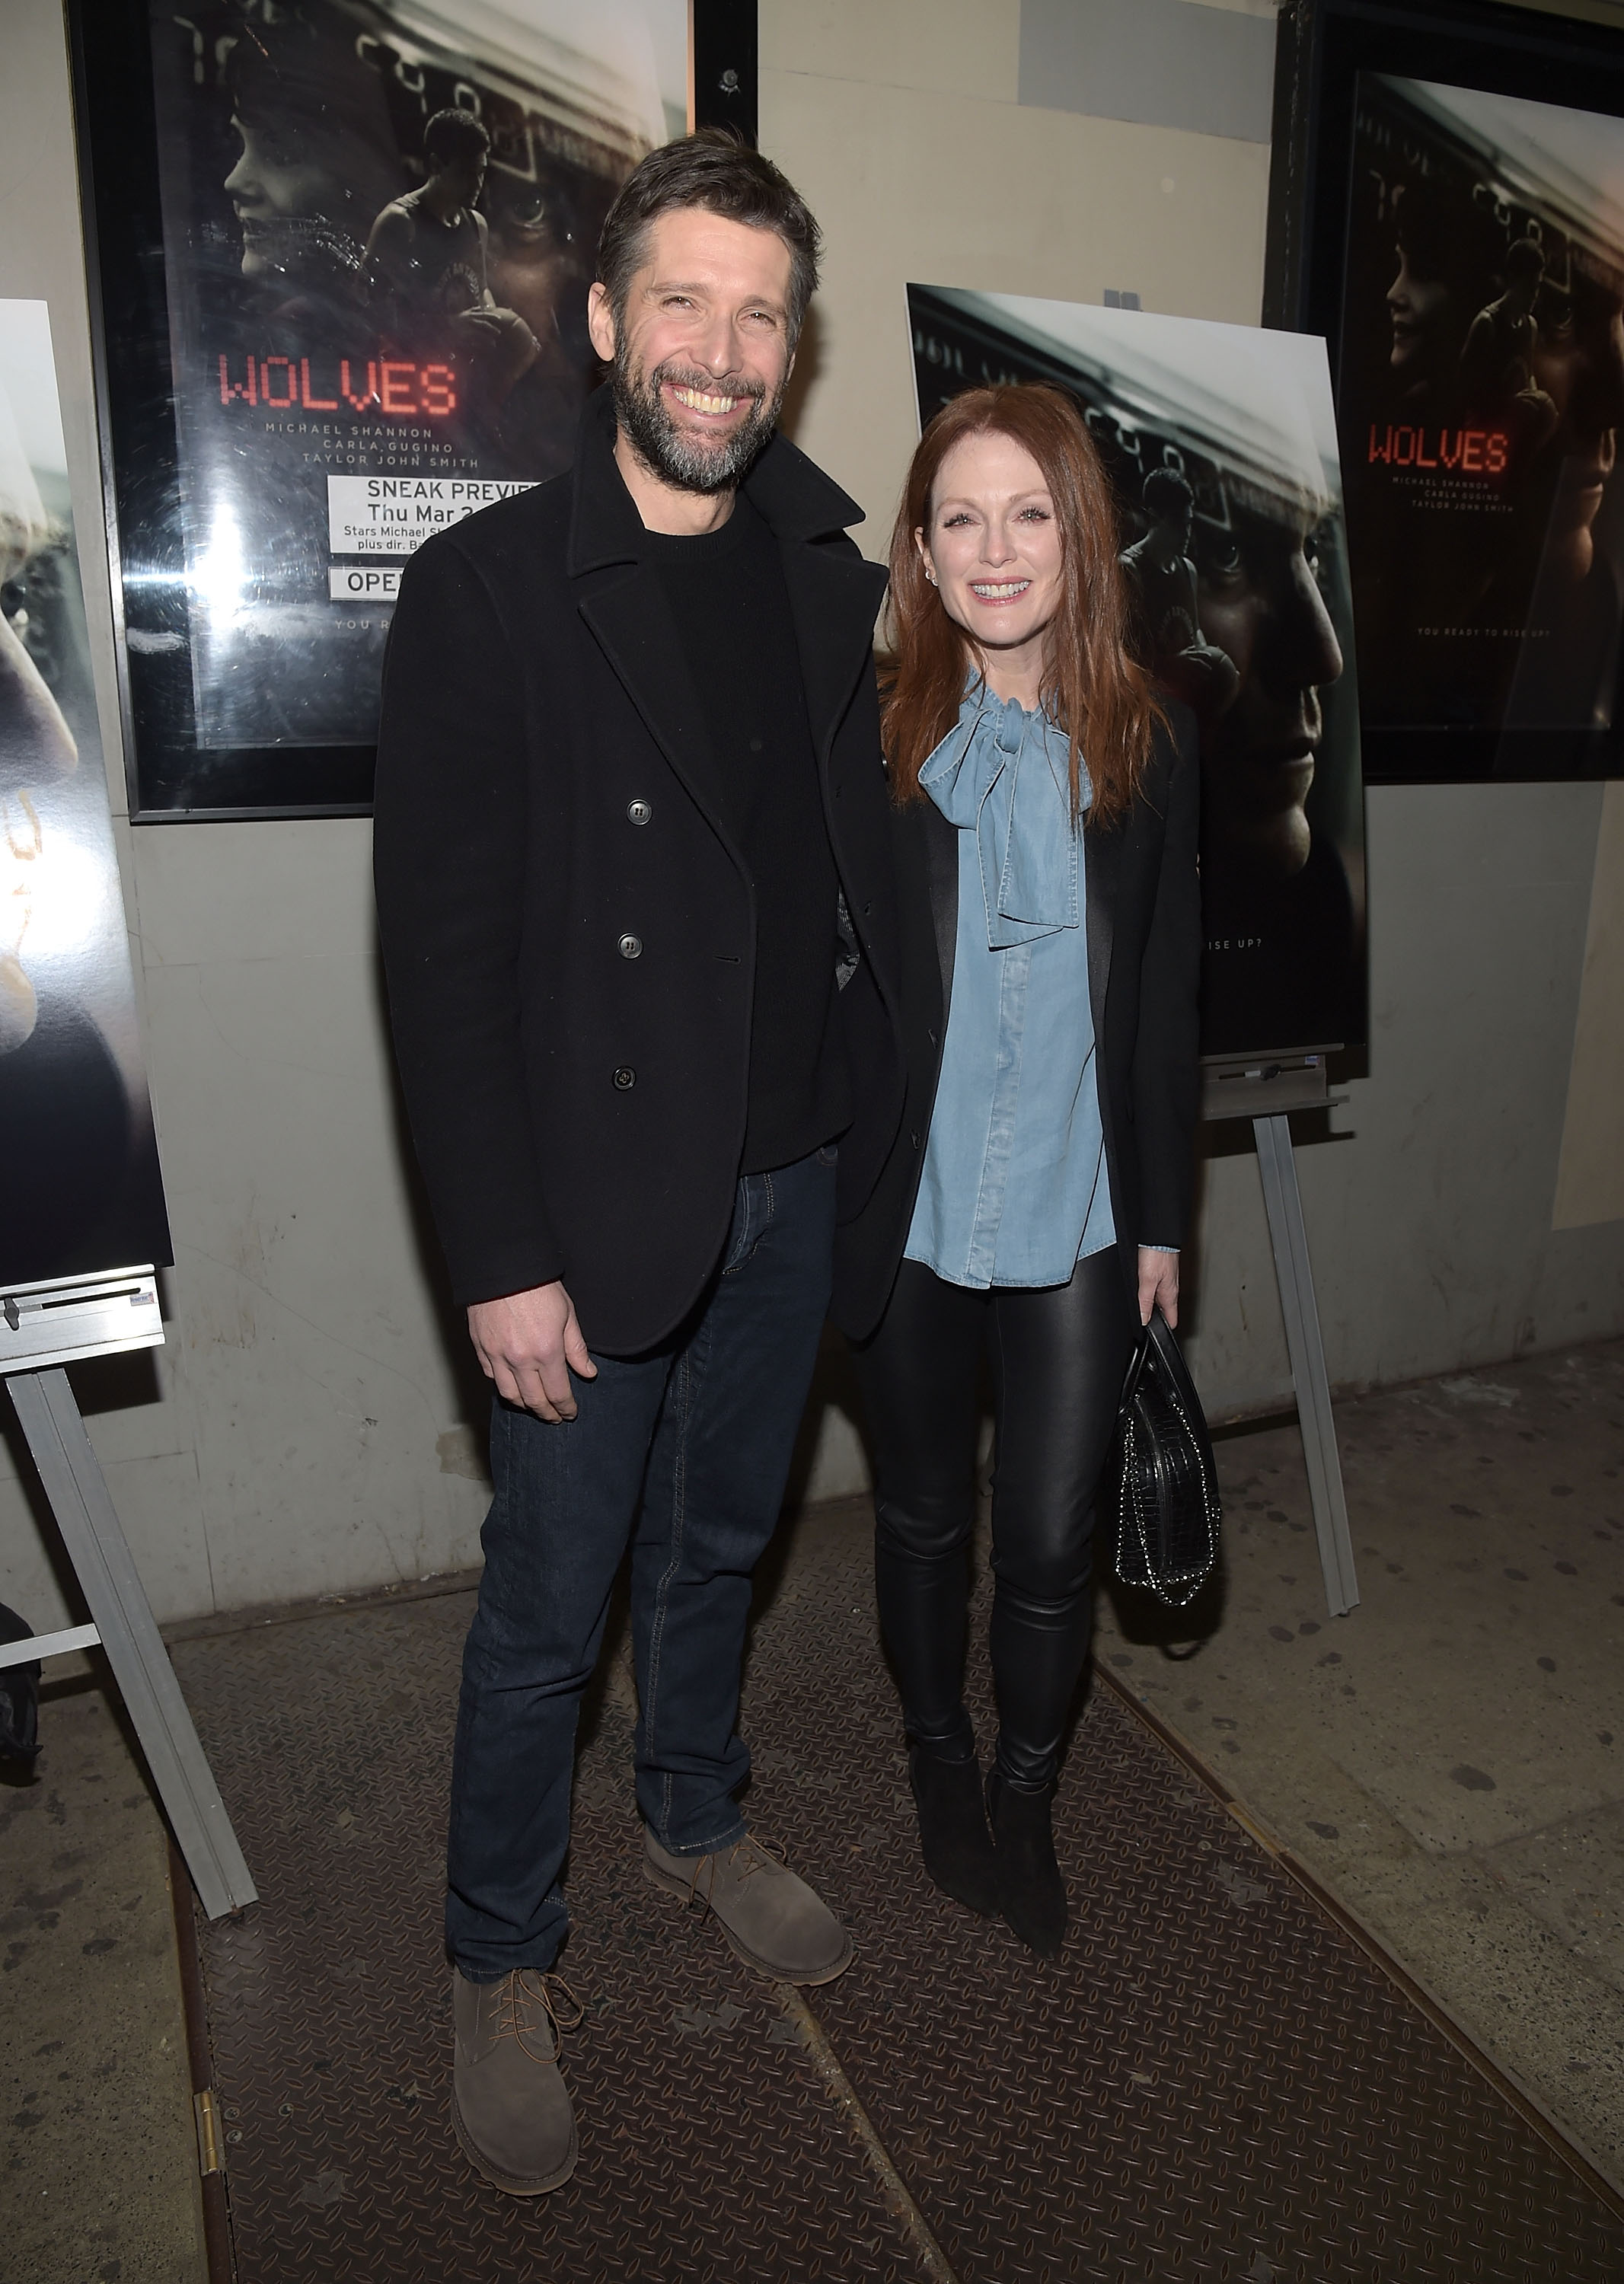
(1033, 515)
(952, 522)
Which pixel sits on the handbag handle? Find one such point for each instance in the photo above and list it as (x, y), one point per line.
(1140, 1358)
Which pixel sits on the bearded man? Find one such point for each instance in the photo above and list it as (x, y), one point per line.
(635, 891)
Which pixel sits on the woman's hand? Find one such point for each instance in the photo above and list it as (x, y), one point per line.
(1158, 1282)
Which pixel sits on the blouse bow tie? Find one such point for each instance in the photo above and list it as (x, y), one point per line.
(1004, 773)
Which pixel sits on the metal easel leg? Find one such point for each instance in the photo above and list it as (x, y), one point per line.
(1278, 1166)
(96, 1546)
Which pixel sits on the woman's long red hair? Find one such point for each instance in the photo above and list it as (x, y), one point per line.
(1092, 688)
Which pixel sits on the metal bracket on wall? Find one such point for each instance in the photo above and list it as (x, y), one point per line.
(44, 1325)
(722, 58)
(1266, 1090)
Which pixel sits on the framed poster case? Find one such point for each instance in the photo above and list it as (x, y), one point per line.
(325, 327)
(1446, 210)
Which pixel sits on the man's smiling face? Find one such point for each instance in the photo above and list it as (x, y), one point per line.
(702, 352)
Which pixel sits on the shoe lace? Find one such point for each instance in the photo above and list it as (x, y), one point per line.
(750, 1855)
(528, 1998)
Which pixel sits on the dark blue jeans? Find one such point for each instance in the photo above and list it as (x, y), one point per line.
(684, 1452)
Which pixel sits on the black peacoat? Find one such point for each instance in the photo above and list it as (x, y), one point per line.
(568, 931)
(1144, 957)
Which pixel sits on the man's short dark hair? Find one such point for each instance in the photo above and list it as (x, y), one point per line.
(1525, 257)
(718, 171)
(1166, 495)
(451, 135)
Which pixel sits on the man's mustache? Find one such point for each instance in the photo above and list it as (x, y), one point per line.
(705, 383)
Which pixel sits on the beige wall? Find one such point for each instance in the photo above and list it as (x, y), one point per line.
(309, 1429)
(900, 122)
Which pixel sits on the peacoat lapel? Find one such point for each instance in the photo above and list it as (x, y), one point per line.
(1102, 857)
(833, 597)
(623, 600)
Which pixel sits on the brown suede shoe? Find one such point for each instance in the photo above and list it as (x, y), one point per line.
(509, 2102)
(772, 1920)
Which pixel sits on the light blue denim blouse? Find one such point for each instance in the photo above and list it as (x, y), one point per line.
(1014, 1189)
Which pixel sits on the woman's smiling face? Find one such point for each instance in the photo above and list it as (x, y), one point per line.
(993, 545)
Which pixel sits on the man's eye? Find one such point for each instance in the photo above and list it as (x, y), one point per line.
(527, 216)
(1221, 559)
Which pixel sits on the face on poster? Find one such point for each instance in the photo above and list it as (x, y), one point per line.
(1481, 394)
(377, 311)
(78, 1162)
(1220, 442)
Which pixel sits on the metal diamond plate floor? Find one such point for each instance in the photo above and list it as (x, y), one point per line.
(1215, 2082)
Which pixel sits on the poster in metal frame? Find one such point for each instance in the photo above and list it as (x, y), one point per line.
(311, 351)
(1439, 210)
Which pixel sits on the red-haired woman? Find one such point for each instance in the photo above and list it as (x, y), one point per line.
(1034, 1205)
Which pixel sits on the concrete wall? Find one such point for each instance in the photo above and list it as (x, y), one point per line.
(311, 1426)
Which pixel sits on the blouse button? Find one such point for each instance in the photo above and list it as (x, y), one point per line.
(625, 1078)
(631, 947)
(639, 812)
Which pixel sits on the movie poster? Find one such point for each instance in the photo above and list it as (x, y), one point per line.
(1220, 444)
(379, 223)
(1479, 396)
(78, 1162)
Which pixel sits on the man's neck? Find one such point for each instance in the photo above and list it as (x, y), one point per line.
(665, 507)
(440, 202)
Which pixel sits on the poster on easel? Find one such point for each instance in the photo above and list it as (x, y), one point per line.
(1220, 442)
(79, 1176)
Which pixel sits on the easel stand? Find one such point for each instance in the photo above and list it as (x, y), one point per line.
(1267, 1093)
(44, 1327)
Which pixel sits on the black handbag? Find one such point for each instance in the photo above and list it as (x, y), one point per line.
(1167, 1507)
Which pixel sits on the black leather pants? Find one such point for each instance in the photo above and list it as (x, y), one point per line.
(1058, 1355)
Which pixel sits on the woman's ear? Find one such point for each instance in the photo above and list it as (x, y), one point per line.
(925, 553)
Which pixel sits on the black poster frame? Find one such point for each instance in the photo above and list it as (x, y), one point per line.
(1322, 47)
(167, 774)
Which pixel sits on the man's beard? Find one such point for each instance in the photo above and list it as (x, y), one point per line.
(677, 455)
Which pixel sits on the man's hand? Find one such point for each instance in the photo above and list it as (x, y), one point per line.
(1158, 1281)
(529, 1344)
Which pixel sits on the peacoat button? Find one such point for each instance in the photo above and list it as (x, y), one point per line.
(631, 947)
(639, 812)
(914, 1139)
(624, 1078)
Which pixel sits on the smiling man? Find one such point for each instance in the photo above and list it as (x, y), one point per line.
(635, 893)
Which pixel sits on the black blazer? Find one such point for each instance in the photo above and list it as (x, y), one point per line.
(545, 791)
(1144, 957)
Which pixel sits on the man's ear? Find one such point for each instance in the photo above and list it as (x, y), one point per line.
(600, 321)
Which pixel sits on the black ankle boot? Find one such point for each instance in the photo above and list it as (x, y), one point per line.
(1031, 1892)
(953, 1836)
